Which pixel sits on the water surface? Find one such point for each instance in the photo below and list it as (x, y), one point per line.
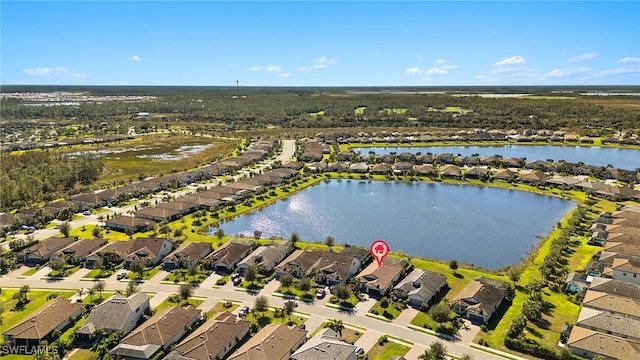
(488, 227)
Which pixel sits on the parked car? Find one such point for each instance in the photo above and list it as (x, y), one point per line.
(243, 311)
(237, 281)
(121, 275)
(320, 293)
(359, 351)
(295, 303)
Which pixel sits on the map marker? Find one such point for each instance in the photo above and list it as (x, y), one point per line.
(379, 249)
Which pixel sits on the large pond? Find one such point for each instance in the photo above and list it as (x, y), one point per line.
(487, 227)
(628, 159)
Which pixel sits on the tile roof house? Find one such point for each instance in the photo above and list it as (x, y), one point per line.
(42, 251)
(616, 287)
(450, 171)
(160, 332)
(152, 250)
(54, 315)
(505, 175)
(626, 270)
(480, 299)
(616, 325)
(213, 340)
(272, 342)
(588, 343)
(126, 222)
(378, 280)
(612, 303)
(186, 255)
(420, 287)
(79, 250)
(534, 177)
(226, 257)
(332, 268)
(325, 345)
(117, 312)
(266, 257)
(158, 214)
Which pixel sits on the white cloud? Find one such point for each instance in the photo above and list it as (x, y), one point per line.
(414, 70)
(436, 71)
(284, 75)
(136, 58)
(324, 62)
(305, 69)
(441, 61)
(628, 60)
(55, 72)
(583, 57)
(622, 70)
(514, 60)
(268, 68)
(419, 56)
(566, 72)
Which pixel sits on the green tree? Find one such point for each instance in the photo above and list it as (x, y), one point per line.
(58, 264)
(99, 286)
(342, 291)
(329, 241)
(453, 265)
(251, 273)
(137, 266)
(286, 280)
(97, 231)
(289, 307)
(219, 233)
(517, 327)
(436, 351)
(440, 312)
(304, 284)
(532, 309)
(514, 273)
(295, 237)
(132, 288)
(192, 270)
(336, 325)
(261, 304)
(185, 291)
(129, 231)
(64, 228)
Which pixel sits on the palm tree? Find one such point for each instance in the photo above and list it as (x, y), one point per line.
(336, 325)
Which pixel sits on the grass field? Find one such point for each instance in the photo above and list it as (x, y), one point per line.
(451, 109)
(387, 351)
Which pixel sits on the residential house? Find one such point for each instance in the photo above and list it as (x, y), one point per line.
(505, 175)
(330, 268)
(426, 170)
(576, 282)
(381, 169)
(403, 167)
(480, 299)
(605, 322)
(534, 177)
(79, 250)
(54, 315)
(420, 287)
(450, 171)
(359, 168)
(116, 313)
(588, 343)
(186, 255)
(476, 172)
(41, 252)
(378, 280)
(160, 332)
(325, 345)
(213, 340)
(626, 270)
(225, 258)
(272, 342)
(126, 223)
(151, 250)
(266, 257)
(612, 303)
(159, 214)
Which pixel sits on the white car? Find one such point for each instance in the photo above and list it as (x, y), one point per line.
(121, 275)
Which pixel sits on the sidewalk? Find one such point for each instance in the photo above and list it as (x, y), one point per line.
(406, 316)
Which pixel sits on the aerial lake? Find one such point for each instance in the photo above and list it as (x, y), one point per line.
(487, 227)
(628, 159)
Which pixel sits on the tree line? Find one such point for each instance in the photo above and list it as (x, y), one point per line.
(37, 176)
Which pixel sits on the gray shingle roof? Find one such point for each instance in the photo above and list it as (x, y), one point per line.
(113, 313)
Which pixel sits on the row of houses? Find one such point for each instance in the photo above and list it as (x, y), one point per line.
(256, 151)
(609, 321)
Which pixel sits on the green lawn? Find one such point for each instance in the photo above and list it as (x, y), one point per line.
(360, 110)
(269, 317)
(98, 274)
(221, 307)
(69, 270)
(167, 302)
(390, 312)
(36, 300)
(149, 272)
(352, 301)
(31, 271)
(182, 275)
(82, 354)
(96, 298)
(387, 351)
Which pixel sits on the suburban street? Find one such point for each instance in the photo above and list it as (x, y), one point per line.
(317, 312)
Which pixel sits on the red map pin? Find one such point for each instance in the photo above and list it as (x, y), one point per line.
(379, 249)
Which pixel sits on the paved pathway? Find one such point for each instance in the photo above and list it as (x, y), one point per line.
(44, 271)
(406, 316)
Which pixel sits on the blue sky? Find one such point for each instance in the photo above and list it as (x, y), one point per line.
(328, 43)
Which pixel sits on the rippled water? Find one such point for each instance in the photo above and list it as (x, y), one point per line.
(628, 159)
(488, 227)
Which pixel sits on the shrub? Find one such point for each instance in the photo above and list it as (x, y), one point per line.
(384, 303)
(221, 281)
(383, 340)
